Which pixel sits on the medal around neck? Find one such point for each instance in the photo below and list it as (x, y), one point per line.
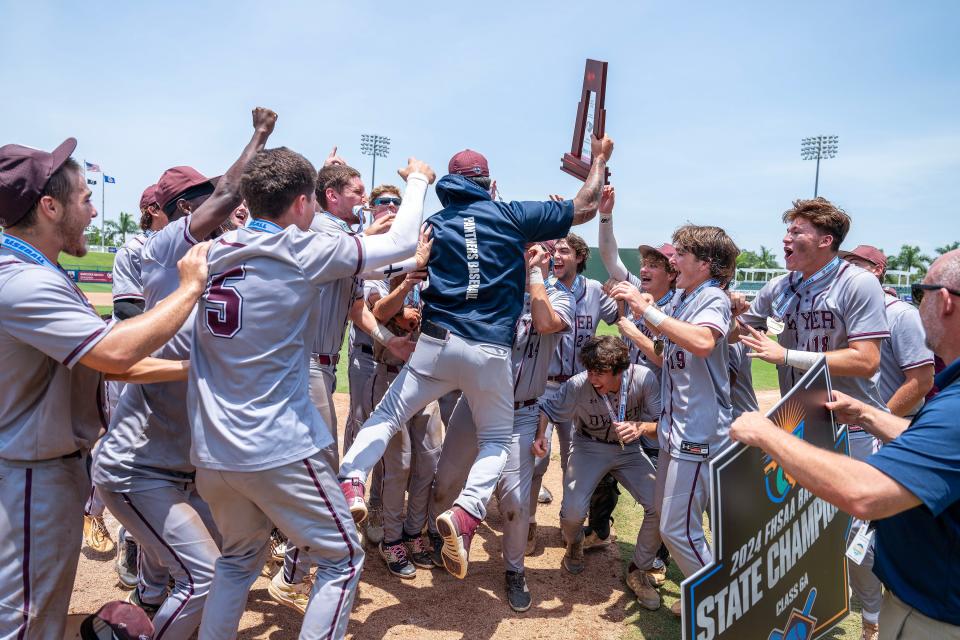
(775, 325)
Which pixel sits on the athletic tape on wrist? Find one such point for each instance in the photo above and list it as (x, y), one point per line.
(801, 359)
(654, 316)
(381, 334)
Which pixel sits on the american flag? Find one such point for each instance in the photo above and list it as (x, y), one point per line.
(92, 166)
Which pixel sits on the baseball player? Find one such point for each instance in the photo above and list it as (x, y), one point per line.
(592, 304)
(340, 192)
(611, 404)
(658, 279)
(260, 455)
(742, 396)
(695, 386)
(547, 313)
(410, 461)
(143, 469)
(55, 348)
(906, 363)
(476, 275)
(825, 306)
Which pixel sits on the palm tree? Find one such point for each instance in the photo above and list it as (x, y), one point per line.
(911, 258)
(767, 259)
(126, 225)
(950, 246)
(111, 231)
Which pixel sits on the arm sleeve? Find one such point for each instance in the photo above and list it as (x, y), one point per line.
(926, 458)
(41, 309)
(609, 252)
(562, 303)
(760, 309)
(401, 241)
(127, 308)
(126, 279)
(540, 221)
(652, 404)
(168, 245)
(864, 309)
(908, 340)
(560, 405)
(713, 311)
(391, 270)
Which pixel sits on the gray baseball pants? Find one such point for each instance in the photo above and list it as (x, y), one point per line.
(409, 465)
(304, 500)
(483, 373)
(173, 524)
(41, 529)
(589, 462)
(565, 436)
(323, 382)
(513, 487)
(683, 495)
(863, 581)
(359, 373)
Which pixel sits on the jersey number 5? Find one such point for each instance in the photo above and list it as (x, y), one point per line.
(224, 303)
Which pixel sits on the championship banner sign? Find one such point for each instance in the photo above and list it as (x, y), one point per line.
(779, 569)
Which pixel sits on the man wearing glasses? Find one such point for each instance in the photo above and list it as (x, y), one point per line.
(825, 306)
(909, 489)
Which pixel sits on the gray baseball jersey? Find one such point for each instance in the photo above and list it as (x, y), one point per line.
(250, 409)
(127, 268)
(335, 297)
(905, 349)
(533, 351)
(49, 407)
(591, 305)
(696, 391)
(576, 400)
(827, 316)
(742, 395)
(636, 355)
(149, 435)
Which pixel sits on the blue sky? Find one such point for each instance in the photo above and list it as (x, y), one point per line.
(707, 101)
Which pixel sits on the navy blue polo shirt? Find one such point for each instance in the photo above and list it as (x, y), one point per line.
(477, 267)
(917, 553)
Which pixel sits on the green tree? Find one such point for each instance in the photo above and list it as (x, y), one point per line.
(747, 259)
(767, 259)
(911, 260)
(125, 226)
(950, 246)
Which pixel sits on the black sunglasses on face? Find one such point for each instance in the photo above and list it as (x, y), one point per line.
(380, 202)
(917, 291)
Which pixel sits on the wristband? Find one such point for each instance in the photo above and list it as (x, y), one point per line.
(535, 275)
(801, 359)
(606, 218)
(381, 334)
(654, 316)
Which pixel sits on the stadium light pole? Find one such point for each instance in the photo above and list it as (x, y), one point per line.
(374, 145)
(818, 148)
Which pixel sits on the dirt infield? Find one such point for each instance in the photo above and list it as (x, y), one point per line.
(99, 298)
(435, 605)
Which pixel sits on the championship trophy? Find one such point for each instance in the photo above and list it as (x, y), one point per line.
(591, 117)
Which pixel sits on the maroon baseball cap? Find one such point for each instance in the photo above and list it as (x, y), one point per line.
(24, 173)
(149, 196)
(117, 621)
(175, 181)
(469, 163)
(869, 253)
(666, 250)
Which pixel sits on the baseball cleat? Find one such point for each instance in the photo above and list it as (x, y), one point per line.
(374, 528)
(353, 491)
(395, 555)
(457, 527)
(870, 631)
(95, 534)
(150, 609)
(278, 545)
(658, 573)
(643, 587)
(294, 596)
(573, 558)
(544, 497)
(436, 549)
(126, 564)
(592, 541)
(421, 552)
(531, 539)
(518, 596)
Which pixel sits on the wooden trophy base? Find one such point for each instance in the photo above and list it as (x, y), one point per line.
(579, 169)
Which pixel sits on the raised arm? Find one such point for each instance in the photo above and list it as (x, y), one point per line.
(609, 252)
(545, 319)
(587, 200)
(226, 197)
(415, 263)
(401, 241)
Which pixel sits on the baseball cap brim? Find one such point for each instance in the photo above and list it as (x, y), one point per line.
(62, 153)
(645, 249)
(862, 255)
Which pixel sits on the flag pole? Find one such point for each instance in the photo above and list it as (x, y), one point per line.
(103, 213)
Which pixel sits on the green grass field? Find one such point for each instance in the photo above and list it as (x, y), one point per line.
(93, 261)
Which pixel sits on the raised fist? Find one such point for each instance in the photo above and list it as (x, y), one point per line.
(417, 166)
(601, 148)
(264, 120)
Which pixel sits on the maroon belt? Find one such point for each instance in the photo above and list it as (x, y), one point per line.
(326, 360)
(525, 403)
(560, 379)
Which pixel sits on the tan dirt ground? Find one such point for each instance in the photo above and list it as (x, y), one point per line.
(436, 605)
(99, 298)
